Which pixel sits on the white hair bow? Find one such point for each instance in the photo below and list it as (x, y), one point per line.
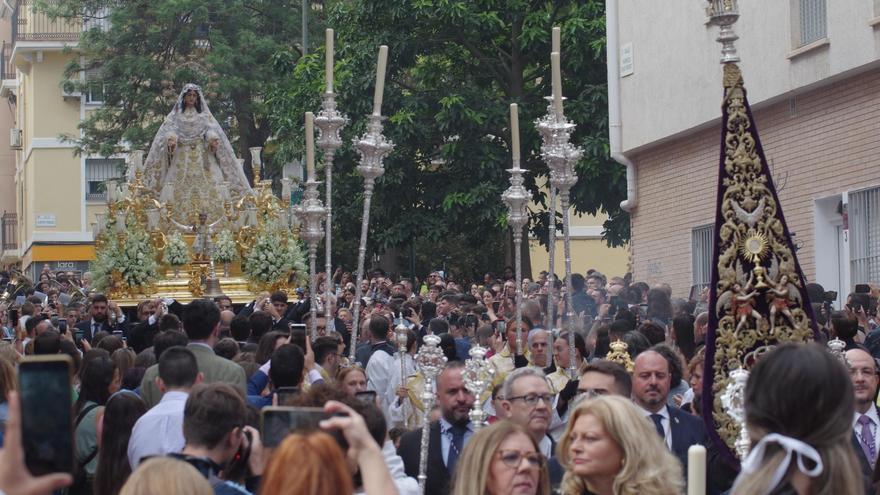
(791, 445)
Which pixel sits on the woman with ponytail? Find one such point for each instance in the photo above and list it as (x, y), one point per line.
(799, 411)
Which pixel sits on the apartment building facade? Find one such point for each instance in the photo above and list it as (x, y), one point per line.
(813, 78)
(57, 193)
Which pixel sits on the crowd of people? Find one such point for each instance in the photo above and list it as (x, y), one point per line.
(168, 399)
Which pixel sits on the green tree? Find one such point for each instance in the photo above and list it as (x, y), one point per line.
(454, 67)
(146, 50)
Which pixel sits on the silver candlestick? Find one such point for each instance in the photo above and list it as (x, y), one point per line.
(561, 156)
(401, 332)
(373, 148)
(329, 122)
(477, 378)
(517, 198)
(551, 254)
(733, 401)
(311, 213)
(431, 361)
(838, 348)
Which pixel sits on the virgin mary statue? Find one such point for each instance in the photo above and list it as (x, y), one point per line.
(190, 159)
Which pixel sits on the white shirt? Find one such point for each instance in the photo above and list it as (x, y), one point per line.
(394, 379)
(159, 431)
(875, 423)
(667, 438)
(546, 447)
(446, 438)
(379, 370)
(405, 484)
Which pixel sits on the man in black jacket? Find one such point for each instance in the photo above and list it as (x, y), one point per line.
(448, 436)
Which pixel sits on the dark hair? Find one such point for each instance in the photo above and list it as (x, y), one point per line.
(200, 318)
(120, 414)
(198, 104)
(429, 310)
(603, 341)
(95, 379)
(169, 338)
(222, 298)
(98, 298)
(622, 379)
(32, 323)
(111, 344)
(48, 342)
(626, 316)
(169, 322)
(226, 348)
(298, 338)
(240, 328)
(636, 343)
(659, 305)
(447, 345)
(211, 412)
(145, 359)
(288, 362)
(438, 326)
(260, 323)
(577, 282)
(846, 326)
(683, 326)
(133, 377)
(267, 346)
(69, 348)
(653, 332)
(379, 326)
(676, 368)
(323, 347)
(178, 367)
(278, 296)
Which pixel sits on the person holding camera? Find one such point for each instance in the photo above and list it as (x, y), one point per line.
(217, 440)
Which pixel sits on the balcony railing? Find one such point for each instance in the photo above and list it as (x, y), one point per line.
(7, 68)
(29, 24)
(9, 231)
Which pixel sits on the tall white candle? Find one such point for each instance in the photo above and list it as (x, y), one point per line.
(557, 83)
(111, 191)
(514, 134)
(310, 145)
(696, 482)
(380, 80)
(554, 46)
(328, 59)
(285, 189)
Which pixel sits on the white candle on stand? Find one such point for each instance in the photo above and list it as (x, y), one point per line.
(696, 482)
(514, 134)
(554, 46)
(328, 59)
(285, 189)
(310, 145)
(380, 80)
(557, 83)
(111, 191)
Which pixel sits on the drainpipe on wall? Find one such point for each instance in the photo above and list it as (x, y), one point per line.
(612, 50)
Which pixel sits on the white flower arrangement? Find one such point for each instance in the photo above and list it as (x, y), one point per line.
(176, 250)
(134, 260)
(224, 249)
(273, 257)
(137, 259)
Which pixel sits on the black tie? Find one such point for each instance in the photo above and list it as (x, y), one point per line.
(658, 423)
(456, 446)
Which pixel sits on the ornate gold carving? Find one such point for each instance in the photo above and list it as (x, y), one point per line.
(620, 355)
(757, 272)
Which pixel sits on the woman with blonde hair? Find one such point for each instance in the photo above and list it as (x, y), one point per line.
(166, 476)
(609, 448)
(501, 459)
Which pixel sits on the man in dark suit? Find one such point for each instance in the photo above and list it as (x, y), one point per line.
(99, 320)
(679, 430)
(863, 371)
(448, 436)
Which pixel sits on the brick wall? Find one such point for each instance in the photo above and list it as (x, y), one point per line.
(822, 143)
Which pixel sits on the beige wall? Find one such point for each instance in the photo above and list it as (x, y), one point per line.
(821, 144)
(588, 250)
(7, 156)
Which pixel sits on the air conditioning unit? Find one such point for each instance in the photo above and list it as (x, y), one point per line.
(15, 138)
(70, 95)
